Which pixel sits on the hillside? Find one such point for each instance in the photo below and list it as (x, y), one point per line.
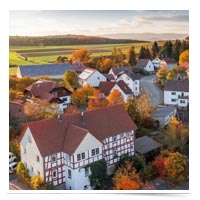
(64, 40)
(147, 36)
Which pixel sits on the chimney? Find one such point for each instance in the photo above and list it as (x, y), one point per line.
(83, 118)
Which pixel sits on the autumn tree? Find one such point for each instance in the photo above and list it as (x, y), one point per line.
(176, 136)
(162, 73)
(126, 178)
(104, 65)
(184, 56)
(71, 109)
(36, 182)
(83, 94)
(81, 55)
(155, 49)
(176, 168)
(131, 56)
(70, 80)
(115, 97)
(40, 110)
(159, 164)
(118, 56)
(97, 102)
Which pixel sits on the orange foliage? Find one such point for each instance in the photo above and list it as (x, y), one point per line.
(81, 55)
(97, 102)
(115, 97)
(159, 164)
(126, 178)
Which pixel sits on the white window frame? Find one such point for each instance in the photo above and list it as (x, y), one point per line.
(69, 173)
(37, 158)
(54, 156)
(56, 174)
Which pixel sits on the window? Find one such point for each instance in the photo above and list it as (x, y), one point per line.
(53, 158)
(173, 93)
(98, 78)
(135, 88)
(83, 156)
(114, 138)
(55, 93)
(128, 134)
(29, 139)
(24, 150)
(37, 158)
(85, 187)
(173, 100)
(122, 135)
(55, 174)
(182, 101)
(31, 168)
(114, 153)
(86, 171)
(182, 94)
(69, 173)
(64, 99)
(78, 157)
(38, 173)
(95, 151)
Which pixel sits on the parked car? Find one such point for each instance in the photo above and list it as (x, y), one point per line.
(12, 157)
(12, 167)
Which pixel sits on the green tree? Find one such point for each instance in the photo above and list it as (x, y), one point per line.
(167, 49)
(98, 174)
(83, 94)
(184, 46)
(131, 56)
(81, 55)
(155, 49)
(142, 53)
(176, 168)
(70, 78)
(176, 50)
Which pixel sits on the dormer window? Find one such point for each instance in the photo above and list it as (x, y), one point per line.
(55, 93)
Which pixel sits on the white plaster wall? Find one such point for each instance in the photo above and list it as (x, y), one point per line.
(30, 156)
(168, 97)
(149, 67)
(93, 79)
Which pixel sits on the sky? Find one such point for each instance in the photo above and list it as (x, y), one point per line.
(96, 22)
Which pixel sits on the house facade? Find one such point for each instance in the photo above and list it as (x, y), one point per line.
(145, 65)
(91, 77)
(156, 63)
(61, 150)
(49, 91)
(176, 92)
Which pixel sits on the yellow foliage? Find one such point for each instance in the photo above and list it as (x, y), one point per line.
(184, 56)
(115, 97)
(36, 182)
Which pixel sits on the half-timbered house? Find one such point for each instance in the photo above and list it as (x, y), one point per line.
(62, 149)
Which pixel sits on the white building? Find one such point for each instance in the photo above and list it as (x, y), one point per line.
(145, 65)
(49, 91)
(91, 77)
(61, 149)
(156, 62)
(131, 79)
(107, 87)
(163, 114)
(176, 92)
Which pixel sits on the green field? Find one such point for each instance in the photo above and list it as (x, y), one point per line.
(46, 54)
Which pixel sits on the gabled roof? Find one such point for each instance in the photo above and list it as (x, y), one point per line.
(145, 144)
(163, 111)
(87, 73)
(45, 69)
(53, 135)
(142, 63)
(133, 76)
(109, 77)
(42, 89)
(106, 87)
(177, 85)
(117, 70)
(78, 66)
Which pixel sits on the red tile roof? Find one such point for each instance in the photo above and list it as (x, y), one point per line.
(177, 85)
(52, 135)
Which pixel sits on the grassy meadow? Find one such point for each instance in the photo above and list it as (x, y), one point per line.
(46, 54)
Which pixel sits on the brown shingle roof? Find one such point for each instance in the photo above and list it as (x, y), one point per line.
(106, 87)
(52, 135)
(177, 85)
(16, 109)
(142, 63)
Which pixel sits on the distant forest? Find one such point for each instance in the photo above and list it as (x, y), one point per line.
(58, 40)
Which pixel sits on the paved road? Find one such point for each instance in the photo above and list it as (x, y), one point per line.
(156, 94)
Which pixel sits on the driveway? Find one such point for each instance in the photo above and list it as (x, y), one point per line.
(156, 94)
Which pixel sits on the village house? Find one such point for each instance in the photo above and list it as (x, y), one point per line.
(49, 91)
(163, 114)
(176, 92)
(130, 78)
(62, 149)
(146, 66)
(107, 87)
(168, 62)
(91, 77)
(54, 71)
(156, 63)
(78, 66)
